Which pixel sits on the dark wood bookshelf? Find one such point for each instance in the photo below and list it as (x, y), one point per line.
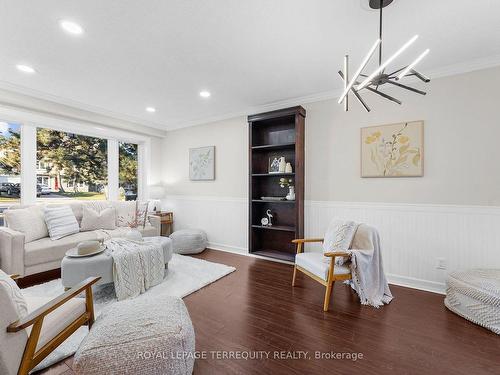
(286, 228)
(273, 174)
(271, 201)
(278, 146)
(275, 134)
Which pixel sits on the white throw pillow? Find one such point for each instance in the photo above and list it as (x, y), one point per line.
(92, 220)
(126, 215)
(14, 293)
(338, 237)
(29, 221)
(61, 221)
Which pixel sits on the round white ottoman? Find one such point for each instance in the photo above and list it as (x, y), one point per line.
(75, 270)
(475, 295)
(189, 241)
(139, 336)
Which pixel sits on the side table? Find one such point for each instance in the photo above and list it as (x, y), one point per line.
(166, 220)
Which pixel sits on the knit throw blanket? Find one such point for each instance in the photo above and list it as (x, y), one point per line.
(368, 277)
(137, 266)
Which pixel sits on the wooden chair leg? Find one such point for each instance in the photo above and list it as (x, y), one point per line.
(29, 351)
(328, 293)
(294, 275)
(89, 305)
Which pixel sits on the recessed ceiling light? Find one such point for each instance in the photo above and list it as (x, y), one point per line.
(205, 94)
(71, 27)
(151, 109)
(25, 68)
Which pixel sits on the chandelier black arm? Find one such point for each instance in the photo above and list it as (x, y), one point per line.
(420, 76)
(397, 71)
(407, 87)
(384, 95)
(360, 99)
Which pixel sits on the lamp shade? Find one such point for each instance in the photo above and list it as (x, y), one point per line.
(157, 191)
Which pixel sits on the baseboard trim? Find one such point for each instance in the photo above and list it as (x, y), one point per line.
(242, 251)
(408, 282)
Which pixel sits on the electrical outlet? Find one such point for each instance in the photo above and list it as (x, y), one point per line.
(441, 264)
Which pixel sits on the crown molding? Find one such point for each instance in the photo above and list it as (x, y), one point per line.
(132, 122)
(444, 71)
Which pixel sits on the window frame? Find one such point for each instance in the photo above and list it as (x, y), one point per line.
(30, 121)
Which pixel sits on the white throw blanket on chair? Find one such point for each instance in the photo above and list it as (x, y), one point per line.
(137, 266)
(368, 277)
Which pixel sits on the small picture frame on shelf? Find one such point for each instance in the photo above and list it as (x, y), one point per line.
(274, 164)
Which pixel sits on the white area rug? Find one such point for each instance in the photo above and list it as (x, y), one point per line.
(185, 275)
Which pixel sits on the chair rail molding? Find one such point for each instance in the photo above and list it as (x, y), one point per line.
(414, 236)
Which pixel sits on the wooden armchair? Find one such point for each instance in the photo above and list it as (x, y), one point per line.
(27, 341)
(316, 267)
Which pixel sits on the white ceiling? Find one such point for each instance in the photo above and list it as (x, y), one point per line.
(248, 54)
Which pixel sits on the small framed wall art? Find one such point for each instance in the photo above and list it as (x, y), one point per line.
(202, 163)
(395, 150)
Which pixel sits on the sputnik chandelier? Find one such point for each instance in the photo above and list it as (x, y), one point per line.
(379, 77)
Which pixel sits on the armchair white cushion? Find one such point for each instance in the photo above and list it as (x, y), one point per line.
(314, 263)
(11, 344)
(58, 319)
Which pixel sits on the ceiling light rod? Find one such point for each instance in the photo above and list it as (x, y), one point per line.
(387, 62)
(412, 65)
(378, 78)
(360, 69)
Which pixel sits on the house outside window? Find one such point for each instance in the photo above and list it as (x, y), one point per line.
(71, 165)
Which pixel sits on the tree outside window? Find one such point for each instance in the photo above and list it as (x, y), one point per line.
(71, 165)
(127, 171)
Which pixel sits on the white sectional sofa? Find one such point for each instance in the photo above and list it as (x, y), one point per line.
(26, 258)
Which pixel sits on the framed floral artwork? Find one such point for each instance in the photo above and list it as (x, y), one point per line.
(395, 150)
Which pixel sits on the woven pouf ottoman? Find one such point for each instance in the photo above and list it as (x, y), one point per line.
(139, 336)
(189, 241)
(475, 296)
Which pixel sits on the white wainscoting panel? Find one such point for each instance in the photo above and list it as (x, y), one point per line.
(414, 236)
(224, 219)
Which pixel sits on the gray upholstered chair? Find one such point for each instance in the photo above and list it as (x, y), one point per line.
(31, 328)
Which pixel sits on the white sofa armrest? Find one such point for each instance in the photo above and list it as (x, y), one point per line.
(156, 223)
(11, 251)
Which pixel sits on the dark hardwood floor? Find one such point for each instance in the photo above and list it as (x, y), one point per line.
(256, 309)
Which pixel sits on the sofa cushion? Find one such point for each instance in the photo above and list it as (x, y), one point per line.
(313, 262)
(61, 221)
(92, 220)
(125, 213)
(76, 207)
(29, 221)
(45, 250)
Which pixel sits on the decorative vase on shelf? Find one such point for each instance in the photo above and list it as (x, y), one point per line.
(291, 193)
(282, 165)
(288, 168)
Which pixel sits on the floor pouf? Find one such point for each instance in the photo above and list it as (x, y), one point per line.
(189, 241)
(475, 296)
(139, 336)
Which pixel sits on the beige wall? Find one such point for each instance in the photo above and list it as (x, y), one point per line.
(462, 133)
(230, 139)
